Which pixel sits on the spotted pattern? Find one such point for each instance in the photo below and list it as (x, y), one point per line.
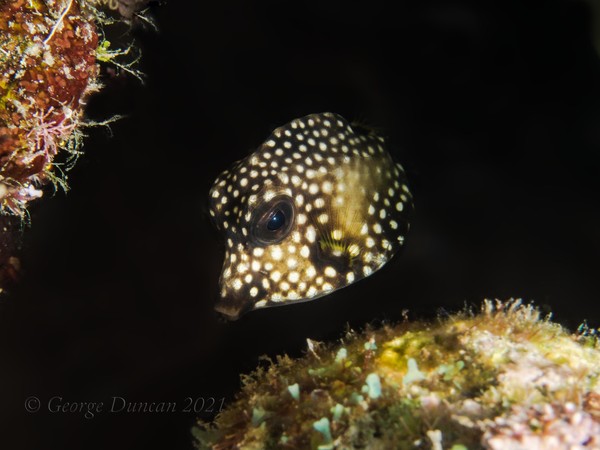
(344, 202)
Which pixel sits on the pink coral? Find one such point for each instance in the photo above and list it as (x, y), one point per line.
(544, 427)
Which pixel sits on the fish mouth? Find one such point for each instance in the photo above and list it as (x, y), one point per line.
(231, 308)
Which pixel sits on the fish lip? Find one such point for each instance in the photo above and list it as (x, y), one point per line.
(232, 308)
(227, 312)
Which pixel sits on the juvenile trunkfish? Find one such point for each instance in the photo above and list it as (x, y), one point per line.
(318, 206)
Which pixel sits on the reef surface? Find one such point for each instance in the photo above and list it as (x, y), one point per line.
(502, 378)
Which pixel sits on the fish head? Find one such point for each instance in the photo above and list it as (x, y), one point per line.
(315, 208)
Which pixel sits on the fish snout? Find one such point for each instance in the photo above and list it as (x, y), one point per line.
(232, 307)
(239, 293)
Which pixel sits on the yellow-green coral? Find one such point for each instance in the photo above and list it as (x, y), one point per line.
(503, 378)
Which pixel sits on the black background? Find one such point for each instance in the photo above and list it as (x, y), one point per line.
(493, 110)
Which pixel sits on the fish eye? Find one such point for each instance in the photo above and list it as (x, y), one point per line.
(276, 220)
(273, 221)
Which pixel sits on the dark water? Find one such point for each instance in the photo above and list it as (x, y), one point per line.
(494, 112)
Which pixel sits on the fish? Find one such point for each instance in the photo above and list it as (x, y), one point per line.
(318, 206)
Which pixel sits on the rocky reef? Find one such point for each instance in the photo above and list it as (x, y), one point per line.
(49, 54)
(502, 378)
(49, 67)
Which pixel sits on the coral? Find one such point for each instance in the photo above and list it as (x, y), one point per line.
(545, 426)
(500, 379)
(48, 62)
(49, 50)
